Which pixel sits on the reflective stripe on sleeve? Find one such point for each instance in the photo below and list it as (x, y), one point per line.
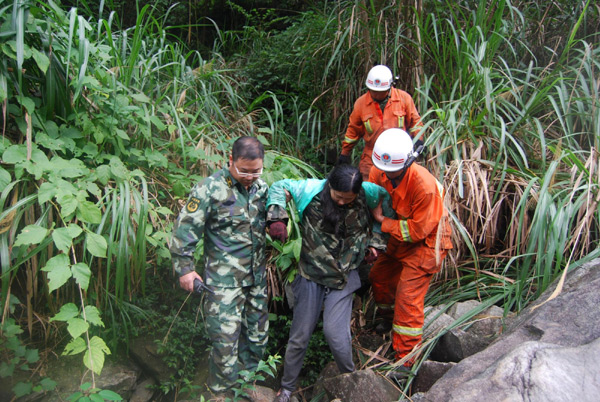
(408, 331)
(350, 140)
(368, 126)
(440, 188)
(404, 230)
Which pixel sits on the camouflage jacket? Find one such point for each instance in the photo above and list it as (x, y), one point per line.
(231, 221)
(327, 258)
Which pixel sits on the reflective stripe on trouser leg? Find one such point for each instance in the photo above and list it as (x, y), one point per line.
(409, 311)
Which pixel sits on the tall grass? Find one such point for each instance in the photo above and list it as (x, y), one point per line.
(106, 128)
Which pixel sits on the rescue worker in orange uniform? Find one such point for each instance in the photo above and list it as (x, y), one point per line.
(382, 107)
(419, 238)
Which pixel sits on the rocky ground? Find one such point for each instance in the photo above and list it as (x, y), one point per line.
(548, 353)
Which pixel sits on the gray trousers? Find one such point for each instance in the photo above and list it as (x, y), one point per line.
(309, 298)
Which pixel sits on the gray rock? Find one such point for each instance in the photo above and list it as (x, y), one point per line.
(537, 371)
(436, 322)
(144, 352)
(488, 324)
(330, 370)
(457, 310)
(457, 344)
(429, 372)
(566, 325)
(143, 391)
(361, 386)
(119, 376)
(261, 394)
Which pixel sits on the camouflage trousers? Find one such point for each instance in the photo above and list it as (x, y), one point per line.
(237, 324)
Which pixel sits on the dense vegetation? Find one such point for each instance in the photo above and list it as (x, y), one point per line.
(109, 115)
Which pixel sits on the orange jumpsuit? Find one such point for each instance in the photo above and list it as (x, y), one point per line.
(367, 122)
(400, 277)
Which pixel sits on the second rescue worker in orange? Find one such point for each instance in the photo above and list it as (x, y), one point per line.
(382, 107)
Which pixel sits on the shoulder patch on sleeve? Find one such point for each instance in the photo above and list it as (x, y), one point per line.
(192, 205)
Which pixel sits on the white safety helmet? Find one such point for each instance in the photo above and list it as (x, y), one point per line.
(392, 150)
(379, 78)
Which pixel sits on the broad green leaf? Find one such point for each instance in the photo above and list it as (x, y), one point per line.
(122, 134)
(6, 370)
(74, 347)
(62, 239)
(141, 98)
(4, 178)
(96, 244)
(19, 351)
(70, 132)
(34, 169)
(10, 49)
(156, 158)
(93, 188)
(46, 192)
(90, 149)
(118, 169)
(68, 168)
(67, 311)
(48, 384)
(96, 398)
(297, 248)
(58, 270)
(68, 204)
(27, 103)
(103, 174)
(32, 355)
(93, 316)
(31, 234)
(15, 154)
(94, 356)
(9, 328)
(74, 230)
(22, 389)
(158, 123)
(54, 144)
(88, 212)
(50, 128)
(41, 60)
(164, 211)
(109, 395)
(58, 277)
(86, 386)
(77, 326)
(82, 273)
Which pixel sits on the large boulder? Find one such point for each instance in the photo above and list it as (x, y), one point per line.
(549, 352)
(361, 386)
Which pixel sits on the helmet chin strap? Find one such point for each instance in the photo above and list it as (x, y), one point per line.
(396, 181)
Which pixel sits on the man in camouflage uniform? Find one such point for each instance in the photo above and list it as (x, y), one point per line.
(336, 227)
(228, 211)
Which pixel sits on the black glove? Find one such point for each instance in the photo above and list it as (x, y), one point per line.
(343, 160)
(278, 231)
(423, 151)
